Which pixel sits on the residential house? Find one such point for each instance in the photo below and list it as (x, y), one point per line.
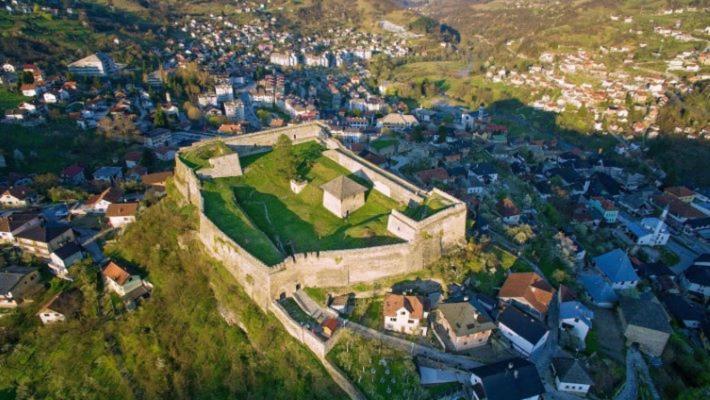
(340, 303)
(43, 239)
(682, 193)
(484, 171)
(17, 196)
(62, 306)
(15, 222)
(605, 209)
(73, 174)
(525, 333)
(397, 121)
(616, 267)
(165, 153)
(95, 65)
(405, 314)
(462, 326)
(696, 279)
(600, 292)
(108, 174)
(133, 158)
(529, 291)
(645, 322)
(329, 326)
(430, 177)
(514, 379)
(99, 203)
(131, 288)
(508, 211)
(15, 283)
(121, 214)
(679, 210)
(575, 318)
(64, 257)
(156, 181)
(571, 376)
(690, 314)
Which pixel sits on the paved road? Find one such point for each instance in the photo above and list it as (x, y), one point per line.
(249, 114)
(636, 371)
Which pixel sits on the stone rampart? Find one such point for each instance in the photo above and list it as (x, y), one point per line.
(188, 184)
(260, 141)
(424, 241)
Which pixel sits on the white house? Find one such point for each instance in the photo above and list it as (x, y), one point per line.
(696, 279)
(16, 282)
(284, 59)
(570, 376)
(99, 65)
(15, 222)
(64, 257)
(130, 288)
(525, 333)
(405, 314)
(121, 214)
(62, 306)
(575, 318)
(99, 203)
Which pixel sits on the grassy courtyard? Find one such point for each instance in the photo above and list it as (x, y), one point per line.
(263, 215)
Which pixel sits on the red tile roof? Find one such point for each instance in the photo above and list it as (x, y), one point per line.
(413, 304)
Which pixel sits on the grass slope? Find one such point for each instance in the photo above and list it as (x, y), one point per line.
(176, 345)
(262, 200)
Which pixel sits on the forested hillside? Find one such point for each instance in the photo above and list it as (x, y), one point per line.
(176, 345)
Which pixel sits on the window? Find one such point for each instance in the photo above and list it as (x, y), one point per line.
(393, 319)
(410, 321)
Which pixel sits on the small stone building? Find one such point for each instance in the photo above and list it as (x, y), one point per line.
(342, 195)
(645, 323)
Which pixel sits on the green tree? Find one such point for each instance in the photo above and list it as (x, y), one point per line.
(160, 119)
(284, 151)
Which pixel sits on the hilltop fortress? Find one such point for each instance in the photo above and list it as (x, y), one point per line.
(423, 241)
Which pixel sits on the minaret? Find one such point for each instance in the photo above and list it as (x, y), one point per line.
(660, 224)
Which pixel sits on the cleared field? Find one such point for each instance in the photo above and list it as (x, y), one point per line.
(261, 213)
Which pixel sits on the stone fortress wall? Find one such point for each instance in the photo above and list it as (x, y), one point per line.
(425, 240)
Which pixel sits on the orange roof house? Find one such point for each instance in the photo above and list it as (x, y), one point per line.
(529, 290)
(116, 273)
(413, 304)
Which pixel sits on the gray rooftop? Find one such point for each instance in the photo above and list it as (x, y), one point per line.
(465, 319)
(343, 187)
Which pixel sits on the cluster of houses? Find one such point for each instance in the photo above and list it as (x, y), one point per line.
(53, 235)
(611, 96)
